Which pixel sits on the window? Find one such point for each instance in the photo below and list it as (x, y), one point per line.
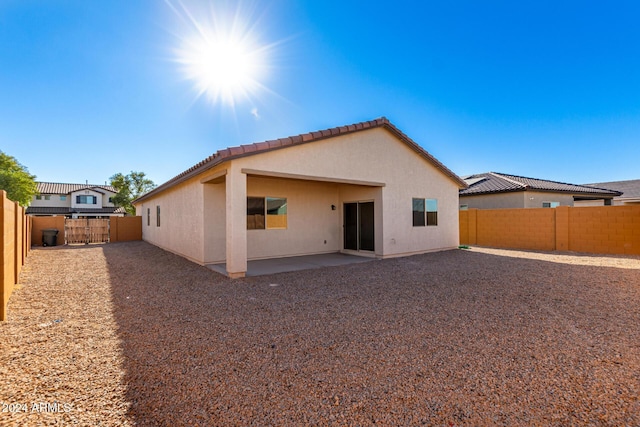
(464, 207)
(418, 213)
(38, 197)
(63, 198)
(425, 212)
(86, 200)
(607, 202)
(148, 217)
(550, 204)
(110, 199)
(266, 212)
(255, 213)
(276, 212)
(158, 216)
(432, 212)
(47, 197)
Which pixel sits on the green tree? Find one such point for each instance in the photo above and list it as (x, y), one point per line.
(130, 187)
(16, 180)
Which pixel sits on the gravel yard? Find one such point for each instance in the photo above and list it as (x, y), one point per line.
(127, 334)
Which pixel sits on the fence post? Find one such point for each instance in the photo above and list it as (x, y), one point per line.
(562, 228)
(113, 229)
(3, 273)
(17, 238)
(473, 226)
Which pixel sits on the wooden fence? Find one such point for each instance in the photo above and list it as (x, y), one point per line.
(16, 243)
(86, 230)
(599, 230)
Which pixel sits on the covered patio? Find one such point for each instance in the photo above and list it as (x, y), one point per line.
(263, 267)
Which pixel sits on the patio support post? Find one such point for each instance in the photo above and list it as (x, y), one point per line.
(236, 214)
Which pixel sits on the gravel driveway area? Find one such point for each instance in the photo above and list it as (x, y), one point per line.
(128, 334)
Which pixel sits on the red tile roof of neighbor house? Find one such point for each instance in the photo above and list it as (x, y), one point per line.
(60, 188)
(493, 182)
(261, 147)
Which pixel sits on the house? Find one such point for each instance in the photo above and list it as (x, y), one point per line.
(364, 189)
(74, 201)
(493, 190)
(630, 193)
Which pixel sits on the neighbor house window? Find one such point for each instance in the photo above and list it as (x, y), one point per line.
(550, 204)
(38, 197)
(110, 199)
(148, 217)
(158, 216)
(63, 198)
(86, 200)
(425, 212)
(464, 207)
(266, 212)
(47, 197)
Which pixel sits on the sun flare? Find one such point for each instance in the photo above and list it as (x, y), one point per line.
(221, 55)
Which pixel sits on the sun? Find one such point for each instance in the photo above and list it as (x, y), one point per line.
(221, 55)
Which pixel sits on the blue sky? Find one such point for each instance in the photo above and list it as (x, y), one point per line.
(545, 89)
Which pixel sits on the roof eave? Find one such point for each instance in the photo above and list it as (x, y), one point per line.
(232, 153)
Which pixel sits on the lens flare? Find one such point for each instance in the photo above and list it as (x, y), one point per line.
(221, 54)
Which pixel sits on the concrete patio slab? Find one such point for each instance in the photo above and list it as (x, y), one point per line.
(282, 265)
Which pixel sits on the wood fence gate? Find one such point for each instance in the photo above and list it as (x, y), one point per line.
(86, 230)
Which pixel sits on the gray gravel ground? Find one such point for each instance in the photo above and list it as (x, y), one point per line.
(127, 334)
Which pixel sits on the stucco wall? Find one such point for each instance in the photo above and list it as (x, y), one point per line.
(181, 220)
(312, 227)
(516, 199)
(494, 201)
(367, 165)
(376, 156)
(53, 202)
(534, 199)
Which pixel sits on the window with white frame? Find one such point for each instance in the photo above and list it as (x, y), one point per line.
(550, 204)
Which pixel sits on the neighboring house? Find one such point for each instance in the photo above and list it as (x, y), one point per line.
(364, 189)
(74, 201)
(630, 193)
(502, 191)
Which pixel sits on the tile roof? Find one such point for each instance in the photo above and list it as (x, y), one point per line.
(629, 189)
(68, 211)
(60, 188)
(260, 147)
(493, 182)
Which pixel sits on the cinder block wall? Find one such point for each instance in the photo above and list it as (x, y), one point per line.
(13, 248)
(123, 229)
(605, 229)
(39, 223)
(601, 230)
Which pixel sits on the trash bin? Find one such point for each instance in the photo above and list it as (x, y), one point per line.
(49, 237)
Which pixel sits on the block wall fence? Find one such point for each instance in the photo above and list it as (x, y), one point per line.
(598, 230)
(16, 243)
(121, 229)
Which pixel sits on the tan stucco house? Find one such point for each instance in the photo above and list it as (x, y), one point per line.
(364, 189)
(493, 190)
